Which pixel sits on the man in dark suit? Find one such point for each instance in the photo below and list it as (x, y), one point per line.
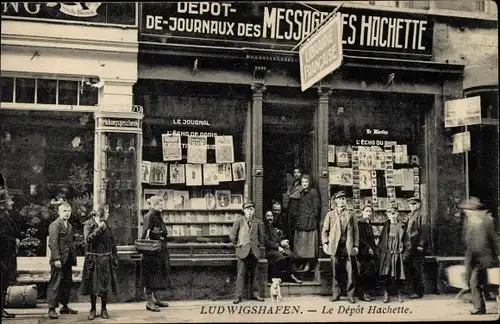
(248, 237)
(483, 249)
(62, 259)
(418, 231)
(340, 239)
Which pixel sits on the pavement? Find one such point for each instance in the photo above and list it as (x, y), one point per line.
(290, 309)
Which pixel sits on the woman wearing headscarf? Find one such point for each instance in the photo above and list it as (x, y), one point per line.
(101, 261)
(293, 199)
(9, 243)
(155, 267)
(306, 224)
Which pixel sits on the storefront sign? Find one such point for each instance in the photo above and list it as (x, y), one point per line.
(194, 122)
(461, 142)
(282, 25)
(107, 13)
(321, 54)
(462, 112)
(119, 123)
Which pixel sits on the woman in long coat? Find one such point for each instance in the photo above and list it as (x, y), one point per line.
(293, 200)
(101, 261)
(394, 248)
(9, 244)
(306, 224)
(155, 267)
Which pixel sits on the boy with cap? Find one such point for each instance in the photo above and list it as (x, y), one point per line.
(340, 240)
(248, 236)
(418, 232)
(483, 249)
(394, 249)
(366, 256)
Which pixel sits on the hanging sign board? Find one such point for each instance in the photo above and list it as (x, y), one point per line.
(462, 112)
(321, 54)
(461, 142)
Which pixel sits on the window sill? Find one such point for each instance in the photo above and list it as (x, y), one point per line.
(43, 107)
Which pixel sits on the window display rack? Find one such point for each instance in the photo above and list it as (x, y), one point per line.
(116, 182)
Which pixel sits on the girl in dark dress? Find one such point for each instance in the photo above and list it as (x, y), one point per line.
(394, 249)
(101, 261)
(155, 268)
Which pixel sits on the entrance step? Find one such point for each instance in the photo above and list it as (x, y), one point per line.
(294, 289)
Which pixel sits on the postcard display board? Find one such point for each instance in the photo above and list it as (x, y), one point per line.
(200, 182)
(116, 176)
(381, 174)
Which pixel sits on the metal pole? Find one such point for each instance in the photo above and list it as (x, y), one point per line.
(330, 16)
(466, 171)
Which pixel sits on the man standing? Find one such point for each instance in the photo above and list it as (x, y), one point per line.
(62, 259)
(248, 236)
(418, 232)
(366, 257)
(340, 239)
(483, 249)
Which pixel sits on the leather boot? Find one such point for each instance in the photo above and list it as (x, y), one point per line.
(387, 298)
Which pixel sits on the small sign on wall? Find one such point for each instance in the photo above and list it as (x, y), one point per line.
(461, 142)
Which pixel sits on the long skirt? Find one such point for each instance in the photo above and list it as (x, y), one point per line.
(306, 244)
(99, 275)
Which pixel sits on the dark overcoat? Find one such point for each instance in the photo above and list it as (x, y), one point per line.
(309, 210)
(155, 267)
(8, 234)
(101, 261)
(274, 236)
(393, 256)
(419, 232)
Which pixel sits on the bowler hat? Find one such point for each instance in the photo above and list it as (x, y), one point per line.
(339, 194)
(248, 204)
(473, 203)
(413, 199)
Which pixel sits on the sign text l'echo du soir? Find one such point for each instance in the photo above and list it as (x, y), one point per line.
(283, 24)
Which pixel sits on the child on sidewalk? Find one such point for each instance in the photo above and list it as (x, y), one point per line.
(394, 249)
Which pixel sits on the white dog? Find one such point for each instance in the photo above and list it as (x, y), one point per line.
(276, 290)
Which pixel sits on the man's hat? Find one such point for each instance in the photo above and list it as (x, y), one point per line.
(248, 204)
(413, 199)
(392, 207)
(366, 206)
(339, 194)
(473, 203)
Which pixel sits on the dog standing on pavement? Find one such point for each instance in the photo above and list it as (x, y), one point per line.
(276, 290)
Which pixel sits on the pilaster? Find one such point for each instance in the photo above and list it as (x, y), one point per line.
(324, 94)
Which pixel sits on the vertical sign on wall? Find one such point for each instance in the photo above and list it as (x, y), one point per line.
(355, 180)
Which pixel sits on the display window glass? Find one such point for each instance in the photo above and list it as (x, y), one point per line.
(377, 151)
(47, 158)
(193, 156)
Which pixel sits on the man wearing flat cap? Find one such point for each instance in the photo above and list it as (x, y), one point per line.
(483, 250)
(340, 240)
(418, 232)
(248, 236)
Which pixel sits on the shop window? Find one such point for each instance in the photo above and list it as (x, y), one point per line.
(68, 92)
(25, 90)
(89, 96)
(419, 4)
(45, 159)
(46, 91)
(7, 89)
(461, 5)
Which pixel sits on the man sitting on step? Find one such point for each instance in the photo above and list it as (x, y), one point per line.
(278, 252)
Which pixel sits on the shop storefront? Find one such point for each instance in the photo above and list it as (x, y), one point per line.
(67, 75)
(373, 128)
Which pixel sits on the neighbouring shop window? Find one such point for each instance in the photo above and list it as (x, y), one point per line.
(68, 92)
(419, 4)
(376, 151)
(47, 158)
(7, 89)
(25, 90)
(203, 180)
(46, 91)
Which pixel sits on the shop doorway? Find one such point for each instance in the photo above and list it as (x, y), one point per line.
(287, 143)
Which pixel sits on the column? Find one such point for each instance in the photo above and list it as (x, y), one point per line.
(322, 144)
(258, 90)
(445, 170)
